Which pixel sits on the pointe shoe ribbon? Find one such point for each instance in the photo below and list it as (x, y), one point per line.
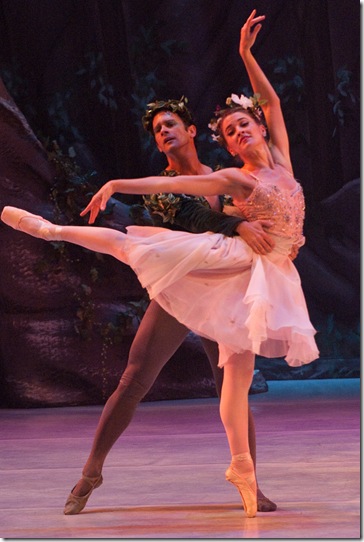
(75, 504)
(245, 482)
(34, 225)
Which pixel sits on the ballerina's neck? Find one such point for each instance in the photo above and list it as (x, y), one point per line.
(266, 172)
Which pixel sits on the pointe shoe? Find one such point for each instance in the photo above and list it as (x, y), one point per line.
(26, 222)
(74, 504)
(246, 484)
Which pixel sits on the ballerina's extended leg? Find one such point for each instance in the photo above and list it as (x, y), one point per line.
(103, 240)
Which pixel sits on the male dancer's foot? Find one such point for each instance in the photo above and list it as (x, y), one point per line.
(76, 503)
(264, 504)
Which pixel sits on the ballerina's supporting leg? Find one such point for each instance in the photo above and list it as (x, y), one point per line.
(103, 240)
(264, 504)
(238, 374)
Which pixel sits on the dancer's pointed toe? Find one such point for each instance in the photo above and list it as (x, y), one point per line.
(74, 504)
(12, 216)
(34, 225)
(244, 480)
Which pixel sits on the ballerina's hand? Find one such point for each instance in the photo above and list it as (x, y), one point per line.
(98, 203)
(248, 34)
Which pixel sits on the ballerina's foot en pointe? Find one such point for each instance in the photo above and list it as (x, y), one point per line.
(241, 473)
(26, 222)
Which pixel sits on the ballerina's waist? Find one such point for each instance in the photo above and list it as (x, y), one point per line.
(283, 245)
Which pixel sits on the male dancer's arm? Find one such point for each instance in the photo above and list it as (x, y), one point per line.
(193, 214)
(187, 213)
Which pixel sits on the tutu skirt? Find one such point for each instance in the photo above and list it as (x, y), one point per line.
(220, 289)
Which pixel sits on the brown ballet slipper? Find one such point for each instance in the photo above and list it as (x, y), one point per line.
(245, 482)
(74, 504)
(265, 504)
(34, 225)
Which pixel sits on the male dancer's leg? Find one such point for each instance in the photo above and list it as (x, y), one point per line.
(157, 339)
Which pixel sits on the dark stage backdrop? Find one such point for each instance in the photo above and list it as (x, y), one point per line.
(76, 76)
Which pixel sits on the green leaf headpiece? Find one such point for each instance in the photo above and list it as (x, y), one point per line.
(179, 107)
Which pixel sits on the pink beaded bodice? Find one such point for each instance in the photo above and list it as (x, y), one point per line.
(285, 208)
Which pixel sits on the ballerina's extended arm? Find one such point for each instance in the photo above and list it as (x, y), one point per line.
(225, 181)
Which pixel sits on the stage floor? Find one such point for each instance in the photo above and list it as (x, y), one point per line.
(164, 478)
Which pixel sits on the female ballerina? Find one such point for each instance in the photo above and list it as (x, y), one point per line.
(217, 286)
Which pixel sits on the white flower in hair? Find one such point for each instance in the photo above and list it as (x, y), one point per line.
(243, 101)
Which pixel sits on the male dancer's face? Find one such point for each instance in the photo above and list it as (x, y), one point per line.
(171, 134)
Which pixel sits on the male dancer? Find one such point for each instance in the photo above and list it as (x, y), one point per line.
(159, 334)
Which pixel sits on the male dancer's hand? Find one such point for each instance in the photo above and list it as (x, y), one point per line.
(255, 236)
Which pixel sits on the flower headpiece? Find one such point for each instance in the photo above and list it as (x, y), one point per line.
(179, 107)
(252, 105)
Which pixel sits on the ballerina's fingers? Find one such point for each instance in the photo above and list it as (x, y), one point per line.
(93, 208)
(252, 20)
(248, 34)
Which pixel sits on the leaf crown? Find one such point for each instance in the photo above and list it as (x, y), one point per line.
(179, 107)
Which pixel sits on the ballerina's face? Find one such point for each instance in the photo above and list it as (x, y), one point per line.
(241, 132)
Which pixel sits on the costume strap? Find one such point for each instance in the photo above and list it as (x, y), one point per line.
(252, 175)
